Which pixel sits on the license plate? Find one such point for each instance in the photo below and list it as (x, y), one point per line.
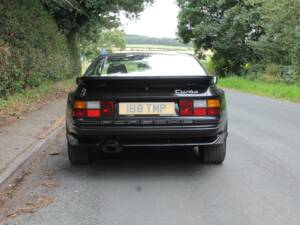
(147, 108)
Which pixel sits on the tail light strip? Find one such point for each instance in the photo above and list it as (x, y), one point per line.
(97, 109)
(210, 107)
(93, 109)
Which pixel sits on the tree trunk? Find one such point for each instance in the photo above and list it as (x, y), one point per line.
(74, 53)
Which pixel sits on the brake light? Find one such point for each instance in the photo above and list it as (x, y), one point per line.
(107, 108)
(93, 109)
(210, 107)
(213, 111)
(79, 113)
(186, 108)
(93, 113)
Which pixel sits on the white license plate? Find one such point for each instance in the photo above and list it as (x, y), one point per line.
(147, 108)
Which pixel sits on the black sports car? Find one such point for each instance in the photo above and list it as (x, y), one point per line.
(146, 99)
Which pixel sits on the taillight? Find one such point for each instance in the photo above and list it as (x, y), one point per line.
(213, 107)
(107, 108)
(210, 107)
(93, 109)
(79, 113)
(200, 108)
(186, 108)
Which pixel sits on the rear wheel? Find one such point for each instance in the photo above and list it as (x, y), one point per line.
(213, 154)
(79, 155)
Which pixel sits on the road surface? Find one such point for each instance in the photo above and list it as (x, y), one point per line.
(259, 182)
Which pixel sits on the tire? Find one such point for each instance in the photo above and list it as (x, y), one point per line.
(213, 154)
(79, 155)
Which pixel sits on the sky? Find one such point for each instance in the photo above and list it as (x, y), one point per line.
(158, 20)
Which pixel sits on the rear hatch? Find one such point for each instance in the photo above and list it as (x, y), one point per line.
(147, 97)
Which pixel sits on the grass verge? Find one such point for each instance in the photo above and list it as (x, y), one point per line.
(258, 87)
(16, 105)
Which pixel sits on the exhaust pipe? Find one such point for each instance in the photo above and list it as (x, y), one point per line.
(111, 147)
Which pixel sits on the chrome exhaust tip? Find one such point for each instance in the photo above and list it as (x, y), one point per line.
(111, 147)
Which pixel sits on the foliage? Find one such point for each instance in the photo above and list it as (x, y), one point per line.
(251, 37)
(109, 40)
(85, 18)
(31, 48)
(72, 15)
(132, 39)
(209, 65)
(259, 87)
(280, 42)
(224, 26)
(15, 105)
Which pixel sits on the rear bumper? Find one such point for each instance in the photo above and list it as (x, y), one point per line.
(203, 135)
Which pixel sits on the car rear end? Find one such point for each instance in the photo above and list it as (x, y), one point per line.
(113, 112)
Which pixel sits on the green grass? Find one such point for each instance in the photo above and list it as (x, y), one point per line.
(258, 87)
(32, 98)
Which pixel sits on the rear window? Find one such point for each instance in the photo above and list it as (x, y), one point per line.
(150, 65)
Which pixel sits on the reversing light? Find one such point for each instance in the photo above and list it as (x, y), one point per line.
(200, 107)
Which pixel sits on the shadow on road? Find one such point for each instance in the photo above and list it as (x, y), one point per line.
(143, 162)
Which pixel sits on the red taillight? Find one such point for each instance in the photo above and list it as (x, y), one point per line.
(186, 107)
(200, 112)
(93, 113)
(211, 107)
(93, 109)
(213, 111)
(79, 113)
(107, 108)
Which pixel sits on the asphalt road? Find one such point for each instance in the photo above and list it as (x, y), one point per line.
(259, 182)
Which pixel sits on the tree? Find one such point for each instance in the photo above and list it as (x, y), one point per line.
(225, 26)
(108, 39)
(73, 16)
(280, 42)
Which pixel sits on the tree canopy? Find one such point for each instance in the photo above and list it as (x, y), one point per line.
(85, 18)
(106, 39)
(224, 26)
(280, 42)
(72, 15)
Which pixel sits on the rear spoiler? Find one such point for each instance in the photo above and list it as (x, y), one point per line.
(204, 81)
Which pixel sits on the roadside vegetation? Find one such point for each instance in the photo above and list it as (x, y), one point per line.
(15, 106)
(32, 50)
(256, 40)
(290, 92)
(42, 43)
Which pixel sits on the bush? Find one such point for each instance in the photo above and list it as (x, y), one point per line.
(209, 65)
(32, 50)
(272, 73)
